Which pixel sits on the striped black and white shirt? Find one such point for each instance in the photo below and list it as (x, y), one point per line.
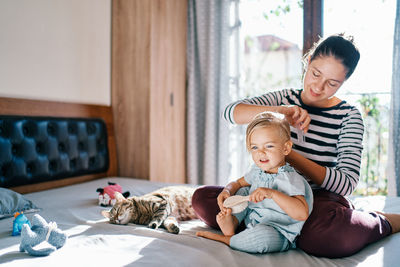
(334, 138)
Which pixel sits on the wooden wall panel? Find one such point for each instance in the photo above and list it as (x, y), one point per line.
(148, 88)
(167, 96)
(131, 85)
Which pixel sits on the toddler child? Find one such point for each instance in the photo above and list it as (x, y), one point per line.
(280, 200)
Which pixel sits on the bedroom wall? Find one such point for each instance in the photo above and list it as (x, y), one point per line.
(56, 50)
(60, 50)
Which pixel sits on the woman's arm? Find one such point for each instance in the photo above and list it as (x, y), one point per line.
(306, 167)
(296, 116)
(343, 178)
(294, 206)
(244, 113)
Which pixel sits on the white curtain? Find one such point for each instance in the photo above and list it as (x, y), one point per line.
(394, 139)
(207, 91)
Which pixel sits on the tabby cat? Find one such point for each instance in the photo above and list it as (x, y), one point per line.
(163, 207)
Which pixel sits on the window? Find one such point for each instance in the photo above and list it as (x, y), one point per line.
(372, 25)
(270, 41)
(270, 44)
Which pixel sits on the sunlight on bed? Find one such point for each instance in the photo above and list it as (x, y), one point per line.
(373, 203)
(10, 249)
(193, 225)
(116, 249)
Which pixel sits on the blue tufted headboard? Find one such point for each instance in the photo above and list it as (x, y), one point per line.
(46, 144)
(39, 149)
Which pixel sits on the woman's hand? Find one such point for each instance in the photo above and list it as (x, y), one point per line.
(296, 116)
(221, 198)
(260, 194)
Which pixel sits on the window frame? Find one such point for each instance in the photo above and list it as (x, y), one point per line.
(312, 22)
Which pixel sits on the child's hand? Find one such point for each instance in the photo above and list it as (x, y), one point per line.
(221, 198)
(260, 194)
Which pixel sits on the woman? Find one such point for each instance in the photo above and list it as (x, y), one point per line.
(327, 135)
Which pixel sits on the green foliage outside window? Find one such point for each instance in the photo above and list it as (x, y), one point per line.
(255, 81)
(373, 179)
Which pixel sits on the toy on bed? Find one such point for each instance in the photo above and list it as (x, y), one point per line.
(107, 194)
(19, 220)
(41, 231)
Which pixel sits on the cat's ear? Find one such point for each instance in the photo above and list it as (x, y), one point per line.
(119, 197)
(105, 213)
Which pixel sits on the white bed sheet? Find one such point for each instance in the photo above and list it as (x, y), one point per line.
(92, 241)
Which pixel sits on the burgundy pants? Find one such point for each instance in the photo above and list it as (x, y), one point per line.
(334, 228)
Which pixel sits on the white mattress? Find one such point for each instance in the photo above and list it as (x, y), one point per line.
(92, 241)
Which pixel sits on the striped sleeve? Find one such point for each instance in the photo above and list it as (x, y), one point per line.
(343, 178)
(268, 99)
(228, 112)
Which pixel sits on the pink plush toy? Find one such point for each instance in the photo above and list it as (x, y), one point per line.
(106, 194)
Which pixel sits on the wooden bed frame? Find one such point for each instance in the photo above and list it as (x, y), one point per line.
(14, 106)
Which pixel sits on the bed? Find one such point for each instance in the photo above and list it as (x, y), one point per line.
(70, 200)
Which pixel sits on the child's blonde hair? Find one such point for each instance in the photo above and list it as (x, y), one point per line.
(268, 119)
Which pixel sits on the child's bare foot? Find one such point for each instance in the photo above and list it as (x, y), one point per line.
(393, 219)
(214, 236)
(227, 222)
